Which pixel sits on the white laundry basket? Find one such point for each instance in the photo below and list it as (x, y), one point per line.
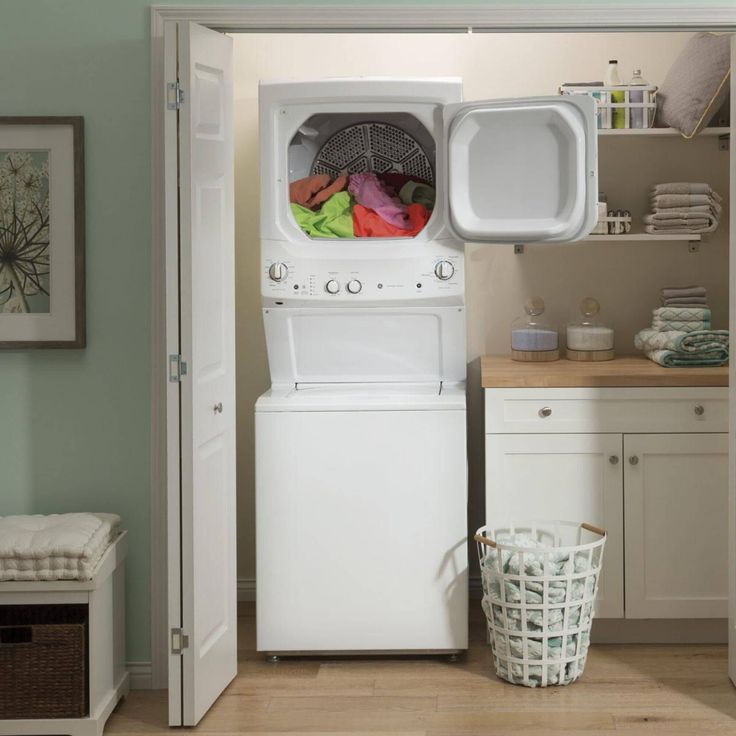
(540, 580)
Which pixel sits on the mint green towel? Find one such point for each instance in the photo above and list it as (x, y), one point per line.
(333, 220)
(673, 359)
(679, 348)
(701, 341)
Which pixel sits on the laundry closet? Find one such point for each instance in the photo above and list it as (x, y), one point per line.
(565, 446)
(623, 275)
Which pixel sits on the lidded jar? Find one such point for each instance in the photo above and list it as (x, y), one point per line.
(533, 337)
(588, 338)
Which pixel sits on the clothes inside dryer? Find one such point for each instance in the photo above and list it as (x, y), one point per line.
(357, 176)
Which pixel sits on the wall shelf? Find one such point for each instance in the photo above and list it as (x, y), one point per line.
(643, 237)
(705, 133)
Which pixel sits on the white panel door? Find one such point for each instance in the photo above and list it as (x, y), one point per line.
(676, 500)
(207, 309)
(571, 477)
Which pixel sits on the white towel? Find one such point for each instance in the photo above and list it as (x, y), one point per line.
(55, 547)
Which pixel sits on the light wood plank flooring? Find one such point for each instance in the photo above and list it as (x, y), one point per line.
(636, 689)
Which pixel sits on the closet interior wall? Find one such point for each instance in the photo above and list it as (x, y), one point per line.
(624, 277)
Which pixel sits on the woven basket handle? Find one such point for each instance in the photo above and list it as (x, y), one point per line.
(484, 540)
(595, 529)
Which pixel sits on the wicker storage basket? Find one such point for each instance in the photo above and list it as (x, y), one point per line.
(539, 586)
(43, 661)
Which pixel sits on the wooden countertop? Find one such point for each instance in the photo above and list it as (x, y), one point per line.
(502, 372)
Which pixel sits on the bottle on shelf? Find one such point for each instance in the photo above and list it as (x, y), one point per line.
(638, 96)
(613, 79)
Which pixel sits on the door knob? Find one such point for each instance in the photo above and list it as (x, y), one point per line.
(613, 459)
(699, 410)
(544, 412)
(218, 407)
(634, 460)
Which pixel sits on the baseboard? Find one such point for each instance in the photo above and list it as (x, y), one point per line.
(246, 589)
(141, 675)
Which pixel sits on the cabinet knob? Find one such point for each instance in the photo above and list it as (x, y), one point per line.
(544, 412)
(613, 459)
(699, 410)
(218, 407)
(633, 460)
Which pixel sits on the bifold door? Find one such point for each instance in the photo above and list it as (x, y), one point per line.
(522, 170)
(202, 573)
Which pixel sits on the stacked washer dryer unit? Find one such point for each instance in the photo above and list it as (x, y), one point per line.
(361, 484)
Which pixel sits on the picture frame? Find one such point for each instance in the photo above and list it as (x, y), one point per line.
(42, 232)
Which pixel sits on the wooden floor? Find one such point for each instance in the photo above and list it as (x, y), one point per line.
(635, 689)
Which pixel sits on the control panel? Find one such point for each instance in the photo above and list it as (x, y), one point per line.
(384, 280)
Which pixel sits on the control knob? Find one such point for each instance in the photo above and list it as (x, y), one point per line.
(444, 270)
(278, 271)
(354, 286)
(332, 286)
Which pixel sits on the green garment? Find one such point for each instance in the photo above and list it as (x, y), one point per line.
(416, 192)
(333, 220)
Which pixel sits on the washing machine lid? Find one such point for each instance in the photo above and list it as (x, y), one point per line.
(522, 170)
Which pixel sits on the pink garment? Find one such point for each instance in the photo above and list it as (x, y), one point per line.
(371, 193)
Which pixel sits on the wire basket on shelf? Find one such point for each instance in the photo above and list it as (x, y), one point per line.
(539, 581)
(607, 108)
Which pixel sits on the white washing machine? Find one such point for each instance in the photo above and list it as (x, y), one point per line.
(361, 484)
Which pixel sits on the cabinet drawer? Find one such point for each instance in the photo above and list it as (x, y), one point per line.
(606, 410)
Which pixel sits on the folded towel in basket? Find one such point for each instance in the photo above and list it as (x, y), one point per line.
(55, 547)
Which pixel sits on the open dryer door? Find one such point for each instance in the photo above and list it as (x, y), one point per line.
(523, 170)
(202, 574)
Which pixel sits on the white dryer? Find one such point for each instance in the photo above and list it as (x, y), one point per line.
(361, 487)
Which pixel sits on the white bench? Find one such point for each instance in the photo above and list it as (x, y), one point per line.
(108, 679)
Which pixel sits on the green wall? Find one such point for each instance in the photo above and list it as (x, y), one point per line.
(74, 425)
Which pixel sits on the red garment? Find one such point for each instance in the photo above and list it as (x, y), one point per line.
(368, 224)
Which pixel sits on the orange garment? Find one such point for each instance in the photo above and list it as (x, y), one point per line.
(312, 191)
(369, 224)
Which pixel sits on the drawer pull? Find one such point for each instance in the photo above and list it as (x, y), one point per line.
(699, 410)
(634, 460)
(544, 412)
(613, 459)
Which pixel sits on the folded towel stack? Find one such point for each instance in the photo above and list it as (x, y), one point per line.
(681, 333)
(683, 208)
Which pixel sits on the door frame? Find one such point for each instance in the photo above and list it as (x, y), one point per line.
(525, 17)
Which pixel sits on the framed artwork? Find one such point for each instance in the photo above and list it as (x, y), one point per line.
(42, 289)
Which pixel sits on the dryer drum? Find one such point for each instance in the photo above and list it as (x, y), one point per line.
(376, 147)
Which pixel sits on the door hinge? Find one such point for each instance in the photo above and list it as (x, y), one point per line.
(177, 368)
(179, 641)
(174, 96)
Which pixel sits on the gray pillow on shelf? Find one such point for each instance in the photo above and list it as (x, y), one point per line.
(696, 84)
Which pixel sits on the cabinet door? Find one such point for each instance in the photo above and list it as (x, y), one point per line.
(676, 501)
(571, 477)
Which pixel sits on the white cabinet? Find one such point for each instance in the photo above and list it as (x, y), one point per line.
(676, 501)
(650, 465)
(574, 477)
